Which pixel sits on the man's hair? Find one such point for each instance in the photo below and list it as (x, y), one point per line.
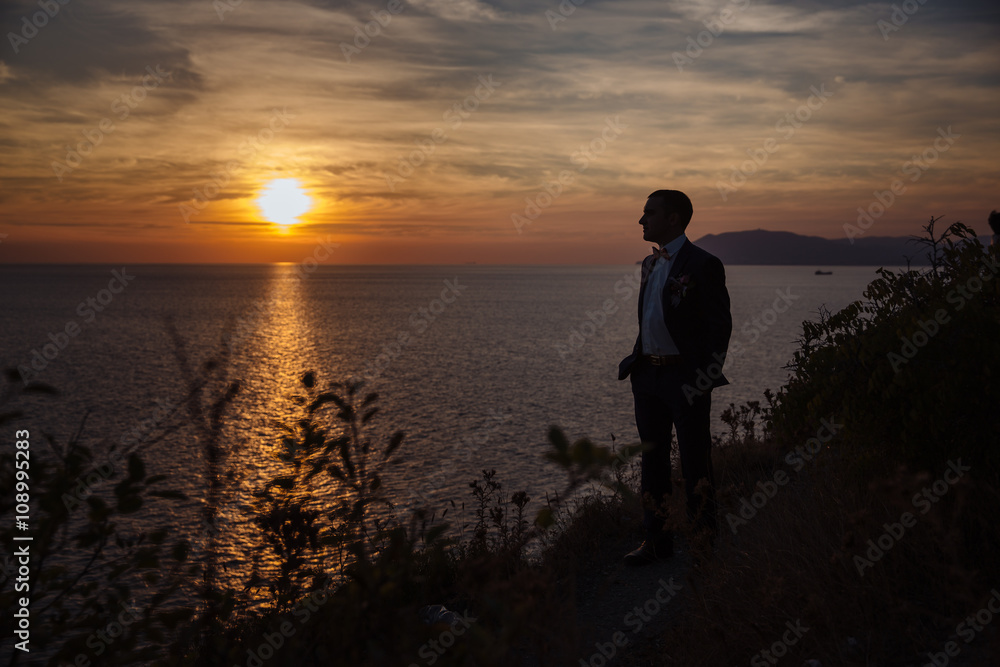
(677, 202)
(995, 222)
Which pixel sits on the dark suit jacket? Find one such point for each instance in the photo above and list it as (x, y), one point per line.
(700, 324)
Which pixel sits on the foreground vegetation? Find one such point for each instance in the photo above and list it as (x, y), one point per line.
(856, 505)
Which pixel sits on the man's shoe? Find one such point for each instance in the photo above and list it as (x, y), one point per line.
(649, 552)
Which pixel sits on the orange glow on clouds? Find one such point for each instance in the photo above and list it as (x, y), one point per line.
(459, 116)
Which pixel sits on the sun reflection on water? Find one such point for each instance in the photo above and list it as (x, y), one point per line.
(278, 350)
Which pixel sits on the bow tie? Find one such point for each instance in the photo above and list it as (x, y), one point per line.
(658, 253)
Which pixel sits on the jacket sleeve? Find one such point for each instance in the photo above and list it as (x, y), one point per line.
(625, 365)
(716, 311)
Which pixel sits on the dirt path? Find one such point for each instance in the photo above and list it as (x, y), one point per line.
(622, 611)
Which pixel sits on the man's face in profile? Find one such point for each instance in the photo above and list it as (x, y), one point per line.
(659, 225)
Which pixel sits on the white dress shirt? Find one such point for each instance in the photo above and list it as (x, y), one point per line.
(655, 337)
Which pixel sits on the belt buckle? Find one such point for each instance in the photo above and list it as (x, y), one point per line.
(661, 360)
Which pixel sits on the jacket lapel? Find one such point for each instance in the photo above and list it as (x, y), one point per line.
(675, 269)
(644, 280)
(680, 260)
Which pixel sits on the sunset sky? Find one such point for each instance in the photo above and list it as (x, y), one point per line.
(419, 141)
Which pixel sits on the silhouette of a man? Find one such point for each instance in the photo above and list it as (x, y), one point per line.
(684, 330)
(994, 221)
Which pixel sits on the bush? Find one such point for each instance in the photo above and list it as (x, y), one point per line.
(910, 371)
(97, 584)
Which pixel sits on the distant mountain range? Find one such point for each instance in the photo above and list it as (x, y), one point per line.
(761, 246)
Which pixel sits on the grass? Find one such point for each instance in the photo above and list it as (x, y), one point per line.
(795, 560)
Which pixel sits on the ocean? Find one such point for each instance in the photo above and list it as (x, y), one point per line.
(473, 363)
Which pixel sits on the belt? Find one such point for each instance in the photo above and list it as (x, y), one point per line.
(663, 360)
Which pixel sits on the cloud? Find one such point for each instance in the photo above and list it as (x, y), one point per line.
(458, 10)
(87, 43)
(354, 122)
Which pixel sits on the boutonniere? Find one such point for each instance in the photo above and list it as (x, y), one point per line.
(679, 288)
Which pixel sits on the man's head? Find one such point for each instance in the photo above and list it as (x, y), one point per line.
(995, 222)
(665, 216)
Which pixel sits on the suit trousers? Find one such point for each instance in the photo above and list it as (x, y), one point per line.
(660, 407)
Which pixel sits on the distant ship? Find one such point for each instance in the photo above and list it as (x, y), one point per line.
(823, 273)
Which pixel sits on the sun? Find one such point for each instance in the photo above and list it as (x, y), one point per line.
(283, 200)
